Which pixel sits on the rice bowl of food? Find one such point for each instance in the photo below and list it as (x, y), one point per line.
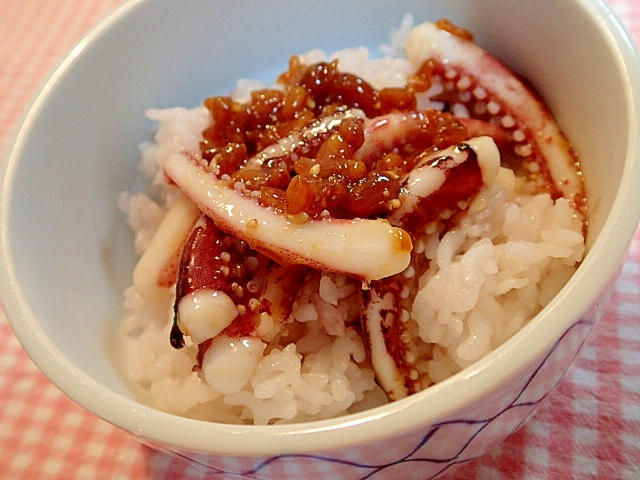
(370, 255)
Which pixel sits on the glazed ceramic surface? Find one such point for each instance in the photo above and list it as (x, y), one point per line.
(67, 253)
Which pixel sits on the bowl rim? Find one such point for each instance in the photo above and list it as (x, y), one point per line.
(444, 399)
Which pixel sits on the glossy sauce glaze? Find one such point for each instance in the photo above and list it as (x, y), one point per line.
(322, 175)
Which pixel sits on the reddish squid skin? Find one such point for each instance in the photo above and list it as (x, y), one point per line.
(388, 303)
(462, 182)
(531, 142)
(200, 267)
(214, 260)
(205, 241)
(504, 107)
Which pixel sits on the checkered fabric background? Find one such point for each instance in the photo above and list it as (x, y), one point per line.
(589, 428)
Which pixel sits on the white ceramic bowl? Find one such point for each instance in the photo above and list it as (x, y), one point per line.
(67, 254)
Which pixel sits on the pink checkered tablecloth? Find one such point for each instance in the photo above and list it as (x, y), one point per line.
(589, 428)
